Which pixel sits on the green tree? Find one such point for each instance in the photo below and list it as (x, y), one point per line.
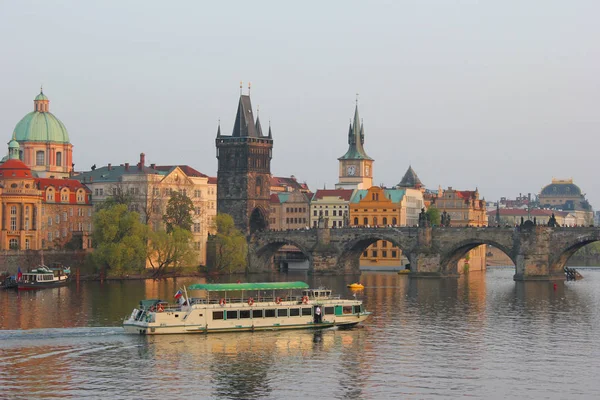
(434, 215)
(231, 248)
(170, 250)
(119, 240)
(179, 212)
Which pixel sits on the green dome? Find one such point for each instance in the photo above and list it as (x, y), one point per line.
(13, 144)
(41, 127)
(41, 96)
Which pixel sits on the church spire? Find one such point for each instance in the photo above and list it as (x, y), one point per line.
(219, 129)
(356, 139)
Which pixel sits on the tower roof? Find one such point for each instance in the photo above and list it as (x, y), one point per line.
(410, 179)
(244, 121)
(356, 139)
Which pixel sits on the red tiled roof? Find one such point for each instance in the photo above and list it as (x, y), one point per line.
(284, 181)
(15, 168)
(465, 194)
(58, 184)
(212, 180)
(344, 194)
(274, 198)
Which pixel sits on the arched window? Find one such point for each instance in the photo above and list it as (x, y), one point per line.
(40, 158)
(355, 220)
(375, 221)
(385, 220)
(394, 221)
(365, 221)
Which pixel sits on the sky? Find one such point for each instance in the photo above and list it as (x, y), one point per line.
(501, 96)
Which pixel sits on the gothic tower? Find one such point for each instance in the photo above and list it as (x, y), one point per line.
(244, 172)
(356, 167)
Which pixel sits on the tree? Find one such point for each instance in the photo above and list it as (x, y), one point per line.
(179, 212)
(434, 215)
(231, 248)
(119, 240)
(172, 249)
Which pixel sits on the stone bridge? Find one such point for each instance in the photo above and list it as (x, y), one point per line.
(538, 252)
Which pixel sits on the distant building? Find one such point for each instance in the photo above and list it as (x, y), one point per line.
(283, 184)
(513, 216)
(464, 207)
(564, 195)
(289, 210)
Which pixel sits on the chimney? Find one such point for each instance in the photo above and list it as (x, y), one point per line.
(153, 166)
(109, 166)
(142, 160)
(126, 166)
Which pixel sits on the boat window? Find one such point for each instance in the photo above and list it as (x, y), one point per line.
(232, 314)
(356, 309)
(257, 313)
(270, 313)
(347, 310)
(329, 310)
(282, 312)
(294, 312)
(217, 314)
(306, 311)
(244, 313)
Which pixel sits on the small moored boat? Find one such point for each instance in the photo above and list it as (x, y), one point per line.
(44, 277)
(245, 307)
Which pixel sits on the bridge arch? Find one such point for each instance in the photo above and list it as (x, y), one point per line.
(264, 250)
(450, 258)
(561, 254)
(351, 251)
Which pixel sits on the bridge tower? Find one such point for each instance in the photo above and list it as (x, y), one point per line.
(244, 170)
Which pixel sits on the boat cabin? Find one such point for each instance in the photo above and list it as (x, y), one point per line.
(30, 277)
(317, 293)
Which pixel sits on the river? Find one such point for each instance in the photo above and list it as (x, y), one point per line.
(481, 336)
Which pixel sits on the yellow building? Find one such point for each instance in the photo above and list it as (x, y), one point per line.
(465, 209)
(289, 210)
(385, 207)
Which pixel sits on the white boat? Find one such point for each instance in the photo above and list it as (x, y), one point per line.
(246, 307)
(44, 277)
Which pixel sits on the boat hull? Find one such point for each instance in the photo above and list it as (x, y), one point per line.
(40, 285)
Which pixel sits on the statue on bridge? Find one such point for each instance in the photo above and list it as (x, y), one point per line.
(552, 221)
(445, 221)
(424, 219)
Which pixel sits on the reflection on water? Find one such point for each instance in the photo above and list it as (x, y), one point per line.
(482, 335)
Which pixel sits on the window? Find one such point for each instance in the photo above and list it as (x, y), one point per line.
(155, 191)
(27, 244)
(197, 210)
(59, 159)
(334, 213)
(244, 314)
(384, 254)
(64, 216)
(270, 313)
(374, 253)
(384, 220)
(383, 243)
(365, 254)
(394, 253)
(217, 314)
(282, 312)
(49, 236)
(315, 213)
(347, 310)
(329, 310)
(39, 158)
(257, 313)
(232, 314)
(13, 244)
(374, 220)
(394, 221)
(197, 227)
(365, 221)
(306, 311)
(355, 220)
(294, 312)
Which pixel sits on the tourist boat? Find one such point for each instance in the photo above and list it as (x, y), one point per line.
(356, 286)
(246, 307)
(44, 277)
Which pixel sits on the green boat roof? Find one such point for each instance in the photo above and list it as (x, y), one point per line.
(223, 287)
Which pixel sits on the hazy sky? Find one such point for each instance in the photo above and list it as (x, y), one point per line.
(499, 95)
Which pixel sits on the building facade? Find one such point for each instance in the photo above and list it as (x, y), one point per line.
(149, 188)
(289, 210)
(564, 195)
(244, 171)
(42, 213)
(331, 207)
(355, 167)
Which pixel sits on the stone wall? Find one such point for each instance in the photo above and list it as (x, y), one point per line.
(11, 260)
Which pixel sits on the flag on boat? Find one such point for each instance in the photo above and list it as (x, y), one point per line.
(19, 274)
(178, 294)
